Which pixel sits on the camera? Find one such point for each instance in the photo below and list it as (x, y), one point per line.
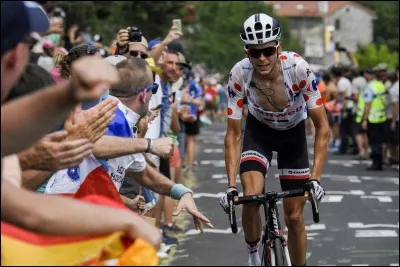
(135, 35)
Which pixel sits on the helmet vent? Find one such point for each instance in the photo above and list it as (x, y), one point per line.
(248, 29)
(243, 36)
(251, 37)
(258, 26)
(267, 34)
(268, 26)
(276, 31)
(259, 35)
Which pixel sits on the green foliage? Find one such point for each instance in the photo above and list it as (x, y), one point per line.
(213, 38)
(373, 54)
(107, 17)
(386, 24)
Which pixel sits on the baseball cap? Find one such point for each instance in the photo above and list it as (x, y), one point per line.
(176, 46)
(154, 42)
(183, 62)
(153, 66)
(18, 20)
(143, 42)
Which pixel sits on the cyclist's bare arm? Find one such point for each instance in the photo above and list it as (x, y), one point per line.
(232, 149)
(322, 133)
(108, 147)
(61, 216)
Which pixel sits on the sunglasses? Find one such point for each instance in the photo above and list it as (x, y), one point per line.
(153, 88)
(136, 53)
(267, 52)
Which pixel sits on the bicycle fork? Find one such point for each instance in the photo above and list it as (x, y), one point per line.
(275, 231)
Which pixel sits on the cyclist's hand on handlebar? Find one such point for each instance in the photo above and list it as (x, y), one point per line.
(229, 194)
(315, 188)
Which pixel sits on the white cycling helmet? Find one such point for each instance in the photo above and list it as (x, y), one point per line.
(260, 29)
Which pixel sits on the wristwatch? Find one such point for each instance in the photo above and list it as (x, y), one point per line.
(149, 145)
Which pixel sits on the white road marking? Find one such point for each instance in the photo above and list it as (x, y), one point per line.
(385, 193)
(351, 192)
(361, 225)
(380, 198)
(375, 233)
(213, 150)
(313, 227)
(213, 231)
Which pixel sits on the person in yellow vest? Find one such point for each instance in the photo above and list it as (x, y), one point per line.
(371, 113)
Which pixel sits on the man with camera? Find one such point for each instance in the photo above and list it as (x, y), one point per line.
(131, 43)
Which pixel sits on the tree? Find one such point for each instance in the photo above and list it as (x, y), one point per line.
(373, 54)
(213, 38)
(386, 24)
(107, 17)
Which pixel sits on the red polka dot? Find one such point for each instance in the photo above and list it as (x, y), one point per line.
(319, 102)
(283, 57)
(309, 88)
(230, 111)
(237, 87)
(240, 103)
(303, 83)
(296, 55)
(295, 87)
(306, 98)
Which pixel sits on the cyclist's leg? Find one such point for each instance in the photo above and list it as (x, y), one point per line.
(253, 168)
(294, 172)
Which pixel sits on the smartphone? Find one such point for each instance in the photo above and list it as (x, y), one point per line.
(178, 24)
(158, 107)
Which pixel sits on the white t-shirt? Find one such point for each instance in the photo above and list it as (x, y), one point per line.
(358, 84)
(134, 162)
(344, 86)
(301, 90)
(153, 130)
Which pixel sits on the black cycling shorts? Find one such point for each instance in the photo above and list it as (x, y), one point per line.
(291, 145)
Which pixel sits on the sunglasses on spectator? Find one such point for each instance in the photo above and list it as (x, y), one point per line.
(136, 53)
(267, 52)
(153, 88)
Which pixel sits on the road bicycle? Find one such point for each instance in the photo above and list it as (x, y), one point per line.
(274, 247)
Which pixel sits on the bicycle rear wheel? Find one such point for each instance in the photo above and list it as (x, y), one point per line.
(280, 258)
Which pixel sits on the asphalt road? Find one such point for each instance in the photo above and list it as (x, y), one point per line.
(359, 216)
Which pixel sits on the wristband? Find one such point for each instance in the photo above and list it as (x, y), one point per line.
(149, 145)
(178, 190)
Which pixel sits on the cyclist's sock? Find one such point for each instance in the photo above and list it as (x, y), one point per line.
(254, 256)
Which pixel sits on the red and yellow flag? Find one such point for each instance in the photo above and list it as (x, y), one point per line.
(21, 247)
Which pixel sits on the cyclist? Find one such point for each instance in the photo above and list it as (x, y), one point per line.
(279, 87)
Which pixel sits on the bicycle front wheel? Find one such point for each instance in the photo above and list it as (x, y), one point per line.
(279, 253)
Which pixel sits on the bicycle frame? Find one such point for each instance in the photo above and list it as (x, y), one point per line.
(272, 229)
(272, 240)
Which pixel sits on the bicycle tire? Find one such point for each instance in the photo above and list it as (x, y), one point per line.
(279, 253)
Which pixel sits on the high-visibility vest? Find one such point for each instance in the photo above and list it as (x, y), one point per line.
(377, 112)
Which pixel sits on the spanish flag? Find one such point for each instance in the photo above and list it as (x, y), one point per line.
(21, 247)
